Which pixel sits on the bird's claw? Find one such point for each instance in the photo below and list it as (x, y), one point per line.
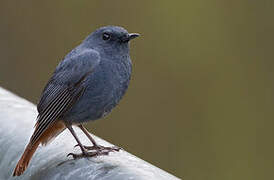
(100, 148)
(76, 145)
(88, 154)
(94, 151)
(103, 148)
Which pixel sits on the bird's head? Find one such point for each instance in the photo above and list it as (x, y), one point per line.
(110, 39)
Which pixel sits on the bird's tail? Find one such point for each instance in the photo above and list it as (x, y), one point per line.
(49, 134)
(25, 159)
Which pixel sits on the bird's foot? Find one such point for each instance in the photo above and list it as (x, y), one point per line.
(87, 154)
(101, 148)
(94, 151)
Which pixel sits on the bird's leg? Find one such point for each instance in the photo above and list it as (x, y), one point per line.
(87, 134)
(76, 138)
(95, 145)
(84, 152)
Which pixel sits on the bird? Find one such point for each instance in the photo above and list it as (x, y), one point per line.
(85, 86)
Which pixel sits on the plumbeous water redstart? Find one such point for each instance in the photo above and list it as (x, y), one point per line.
(86, 85)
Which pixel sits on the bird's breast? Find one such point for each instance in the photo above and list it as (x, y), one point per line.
(116, 78)
(104, 89)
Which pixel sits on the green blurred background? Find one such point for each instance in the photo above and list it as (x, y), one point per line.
(200, 103)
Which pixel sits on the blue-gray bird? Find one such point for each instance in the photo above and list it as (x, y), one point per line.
(86, 85)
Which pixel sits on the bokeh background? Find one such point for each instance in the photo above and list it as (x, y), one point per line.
(200, 103)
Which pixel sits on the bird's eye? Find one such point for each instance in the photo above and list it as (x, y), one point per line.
(106, 36)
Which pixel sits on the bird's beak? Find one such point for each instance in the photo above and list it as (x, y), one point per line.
(129, 37)
(133, 35)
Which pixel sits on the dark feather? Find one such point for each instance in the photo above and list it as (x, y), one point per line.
(63, 90)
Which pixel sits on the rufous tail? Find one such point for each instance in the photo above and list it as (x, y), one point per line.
(49, 134)
(25, 159)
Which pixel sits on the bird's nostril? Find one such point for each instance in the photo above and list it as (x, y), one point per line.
(124, 38)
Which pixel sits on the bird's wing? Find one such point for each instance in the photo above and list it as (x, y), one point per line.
(64, 89)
